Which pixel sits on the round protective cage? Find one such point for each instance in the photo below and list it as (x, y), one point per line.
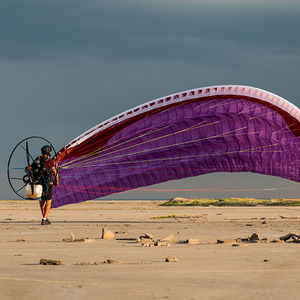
(23, 155)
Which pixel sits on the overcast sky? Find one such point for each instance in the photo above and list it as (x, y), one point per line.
(66, 66)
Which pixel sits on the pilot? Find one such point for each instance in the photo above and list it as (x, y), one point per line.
(46, 175)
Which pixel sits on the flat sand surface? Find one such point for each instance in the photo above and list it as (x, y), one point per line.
(204, 271)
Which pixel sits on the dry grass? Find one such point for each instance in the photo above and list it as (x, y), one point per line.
(232, 202)
(178, 217)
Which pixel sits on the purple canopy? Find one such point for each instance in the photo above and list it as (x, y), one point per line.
(212, 129)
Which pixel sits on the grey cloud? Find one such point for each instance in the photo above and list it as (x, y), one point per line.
(127, 30)
(65, 66)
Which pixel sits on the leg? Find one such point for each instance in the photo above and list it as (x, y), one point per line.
(47, 208)
(43, 207)
(45, 204)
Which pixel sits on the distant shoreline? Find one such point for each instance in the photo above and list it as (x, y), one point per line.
(232, 202)
(178, 201)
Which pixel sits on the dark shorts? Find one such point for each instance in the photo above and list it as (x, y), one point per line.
(47, 192)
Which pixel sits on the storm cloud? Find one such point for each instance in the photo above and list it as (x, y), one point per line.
(67, 65)
(140, 30)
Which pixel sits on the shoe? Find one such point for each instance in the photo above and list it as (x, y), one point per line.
(45, 222)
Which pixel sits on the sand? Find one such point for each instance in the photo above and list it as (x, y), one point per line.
(204, 271)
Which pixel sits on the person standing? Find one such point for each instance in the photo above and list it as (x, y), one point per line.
(45, 174)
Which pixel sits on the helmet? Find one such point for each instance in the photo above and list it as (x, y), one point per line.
(46, 150)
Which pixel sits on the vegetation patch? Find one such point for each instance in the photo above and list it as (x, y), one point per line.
(178, 217)
(231, 202)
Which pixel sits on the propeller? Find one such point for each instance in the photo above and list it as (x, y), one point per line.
(30, 170)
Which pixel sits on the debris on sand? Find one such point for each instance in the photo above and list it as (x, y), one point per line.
(170, 239)
(167, 241)
(73, 239)
(253, 238)
(20, 240)
(148, 236)
(121, 231)
(275, 241)
(242, 240)
(162, 243)
(264, 240)
(98, 263)
(111, 262)
(291, 237)
(256, 238)
(285, 217)
(193, 241)
(238, 245)
(148, 240)
(172, 259)
(46, 261)
(107, 234)
(85, 240)
(226, 241)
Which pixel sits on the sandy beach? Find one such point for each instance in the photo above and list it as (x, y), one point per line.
(205, 270)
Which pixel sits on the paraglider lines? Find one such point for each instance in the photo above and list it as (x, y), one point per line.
(195, 126)
(97, 159)
(192, 156)
(93, 159)
(99, 149)
(114, 145)
(172, 145)
(86, 159)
